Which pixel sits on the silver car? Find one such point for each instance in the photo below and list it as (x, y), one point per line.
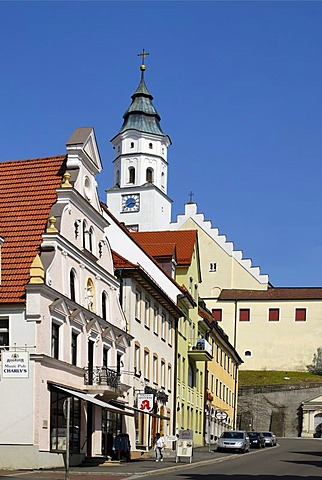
(233, 440)
(270, 439)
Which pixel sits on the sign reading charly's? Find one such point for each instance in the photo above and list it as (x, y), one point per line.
(15, 364)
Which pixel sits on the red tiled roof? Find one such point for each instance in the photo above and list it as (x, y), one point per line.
(183, 239)
(121, 262)
(28, 190)
(283, 293)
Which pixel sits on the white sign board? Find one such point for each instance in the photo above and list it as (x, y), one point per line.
(185, 444)
(15, 364)
(145, 402)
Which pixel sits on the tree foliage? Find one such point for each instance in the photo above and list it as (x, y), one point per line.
(316, 365)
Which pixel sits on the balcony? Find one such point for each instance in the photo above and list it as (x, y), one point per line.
(101, 379)
(201, 351)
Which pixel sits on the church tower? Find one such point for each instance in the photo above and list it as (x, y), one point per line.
(139, 196)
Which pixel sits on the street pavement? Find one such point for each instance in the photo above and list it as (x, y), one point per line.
(120, 470)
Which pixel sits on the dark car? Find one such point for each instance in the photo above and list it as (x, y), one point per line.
(270, 439)
(256, 440)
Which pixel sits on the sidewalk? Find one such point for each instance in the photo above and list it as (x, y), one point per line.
(118, 471)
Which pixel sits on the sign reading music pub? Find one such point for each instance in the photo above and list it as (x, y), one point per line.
(15, 364)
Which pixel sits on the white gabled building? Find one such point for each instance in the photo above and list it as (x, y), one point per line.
(63, 333)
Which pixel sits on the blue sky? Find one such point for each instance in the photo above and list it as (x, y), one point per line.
(238, 86)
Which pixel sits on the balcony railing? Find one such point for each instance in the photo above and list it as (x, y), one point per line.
(102, 376)
(201, 350)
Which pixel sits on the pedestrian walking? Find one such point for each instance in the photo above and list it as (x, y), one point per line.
(158, 447)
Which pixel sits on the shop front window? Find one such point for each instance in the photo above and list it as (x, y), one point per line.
(58, 422)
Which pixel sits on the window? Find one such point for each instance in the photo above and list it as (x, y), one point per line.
(4, 332)
(72, 285)
(84, 233)
(147, 313)
(248, 353)
(104, 305)
(132, 145)
(117, 177)
(169, 377)
(217, 314)
(169, 324)
(74, 348)
(105, 356)
(300, 314)
(137, 360)
(212, 267)
(150, 146)
(191, 382)
(146, 364)
(155, 320)
(138, 305)
(58, 422)
(162, 373)
(273, 315)
(131, 175)
(155, 368)
(90, 239)
(244, 315)
(119, 362)
(163, 326)
(54, 340)
(149, 175)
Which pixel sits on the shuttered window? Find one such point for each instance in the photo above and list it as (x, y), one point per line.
(217, 314)
(300, 314)
(273, 314)
(244, 315)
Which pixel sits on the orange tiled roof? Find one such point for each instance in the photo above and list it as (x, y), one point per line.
(28, 190)
(183, 239)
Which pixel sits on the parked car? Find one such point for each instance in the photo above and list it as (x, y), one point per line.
(256, 439)
(270, 439)
(233, 440)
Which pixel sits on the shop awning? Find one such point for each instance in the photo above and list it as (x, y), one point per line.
(87, 397)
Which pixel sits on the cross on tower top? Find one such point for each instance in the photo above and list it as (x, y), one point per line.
(143, 54)
(191, 194)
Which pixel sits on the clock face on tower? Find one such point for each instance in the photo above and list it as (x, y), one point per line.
(131, 203)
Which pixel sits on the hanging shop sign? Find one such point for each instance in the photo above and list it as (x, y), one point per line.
(145, 402)
(15, 364)
(221, 415)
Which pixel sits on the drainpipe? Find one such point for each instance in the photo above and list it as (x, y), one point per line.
(175, 376)
(235, 325)
(236, 373)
